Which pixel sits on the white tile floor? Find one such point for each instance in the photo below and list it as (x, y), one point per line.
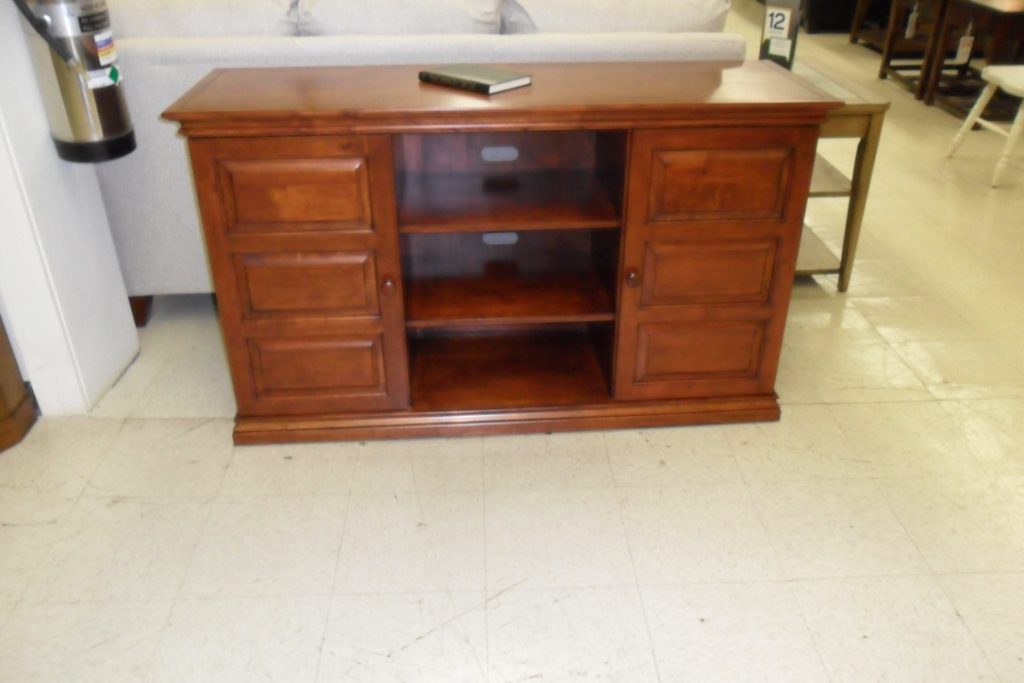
(875, 533)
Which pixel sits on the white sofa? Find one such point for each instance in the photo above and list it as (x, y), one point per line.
(166, 46)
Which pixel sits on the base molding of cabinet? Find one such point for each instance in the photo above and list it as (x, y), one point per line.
(410, 424)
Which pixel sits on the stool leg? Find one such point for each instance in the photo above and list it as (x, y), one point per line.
(972, 118)
(1004, 159)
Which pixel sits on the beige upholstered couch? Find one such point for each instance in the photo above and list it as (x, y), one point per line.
(166, 46)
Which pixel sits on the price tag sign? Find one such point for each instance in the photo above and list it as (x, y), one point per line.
(776, 22)
(778, 38)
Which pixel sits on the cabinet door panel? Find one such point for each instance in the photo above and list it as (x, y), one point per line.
(303, 243)
(332, 283)
(688, 272)
(694, 351)
(713, 221)
(342, 373)
(717, 183)
(282, 185)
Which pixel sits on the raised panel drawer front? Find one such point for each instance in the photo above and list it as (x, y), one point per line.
(719, 176)
(297, 194)
(698, 351)
(294, 184)
(333, 283)
(694, 272)
(342, 372)
(346, 366)
(717, 183)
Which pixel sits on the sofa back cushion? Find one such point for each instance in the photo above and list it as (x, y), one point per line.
(602, 16)
(199, 18)
(398, 17)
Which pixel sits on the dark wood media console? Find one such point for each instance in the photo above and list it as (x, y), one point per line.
(612, 246)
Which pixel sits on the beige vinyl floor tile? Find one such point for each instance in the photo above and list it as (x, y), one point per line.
(964, 369)
(992, 607)
(993, 431)
(546, 461)
(412, 542)
(165, 459)
(731, 632)
(703, 533)
(242, 640)
(961, 525)
(268, 546)
(916, 319)
(119, 549)
(886, 628)
(596, 634)
(84, 642)
(556, 539)
(448, 465)
(289, 470)
(835, 529)
(809, 443)
(57, 458)
(673, 456)
(398, 637)
(28, 531)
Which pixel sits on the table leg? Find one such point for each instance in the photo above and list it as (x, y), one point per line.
(860, 13)
(936, 56)
(863, 168)
(896, 17)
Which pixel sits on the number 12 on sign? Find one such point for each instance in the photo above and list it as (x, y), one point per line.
(778, 38)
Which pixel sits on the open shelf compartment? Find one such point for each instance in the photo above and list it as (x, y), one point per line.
(509, 278)
(520, 368)
(474, 182)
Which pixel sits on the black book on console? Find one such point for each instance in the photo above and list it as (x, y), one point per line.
(483, 79)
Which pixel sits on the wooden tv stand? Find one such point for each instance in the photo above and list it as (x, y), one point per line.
(613, 246)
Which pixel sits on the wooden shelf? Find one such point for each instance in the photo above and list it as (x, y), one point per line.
(507, 300)
(512, 370)
(815, 257)
(828, 181)
(479, 202)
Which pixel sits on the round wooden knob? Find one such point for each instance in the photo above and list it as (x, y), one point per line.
(632, 278)
(387, 288)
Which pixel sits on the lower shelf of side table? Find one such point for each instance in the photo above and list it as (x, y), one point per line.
(815, 258)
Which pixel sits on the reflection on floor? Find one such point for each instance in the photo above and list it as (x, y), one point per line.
(875, 533)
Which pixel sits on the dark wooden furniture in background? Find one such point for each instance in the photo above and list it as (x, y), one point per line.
(1000, 23)
(613, 246)
(17, 406)
(907, 60)
(860, 118)
(869, 23)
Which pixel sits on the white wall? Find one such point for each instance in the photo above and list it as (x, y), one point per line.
(61, 292)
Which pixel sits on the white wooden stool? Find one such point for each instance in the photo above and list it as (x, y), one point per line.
(1011, 79)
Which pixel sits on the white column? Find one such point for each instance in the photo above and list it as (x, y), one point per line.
(61, 291)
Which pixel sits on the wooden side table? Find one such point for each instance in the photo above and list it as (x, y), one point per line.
(17, 407)
(860, 117)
